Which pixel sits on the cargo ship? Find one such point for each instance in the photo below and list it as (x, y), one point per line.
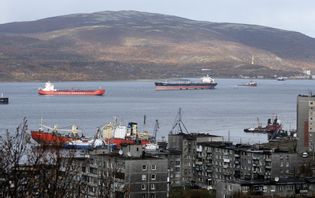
(53, 136)
(205, 82)
(118, 135)
(57, 137)
(49, 89)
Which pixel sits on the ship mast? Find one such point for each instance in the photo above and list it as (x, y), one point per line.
(155, 130)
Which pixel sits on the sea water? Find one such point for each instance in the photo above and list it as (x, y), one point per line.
(223, 111)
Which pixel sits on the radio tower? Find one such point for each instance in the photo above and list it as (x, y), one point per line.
(179, 126)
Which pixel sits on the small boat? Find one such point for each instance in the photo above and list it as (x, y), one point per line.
(249, 84)
(4, 100)
(205, 82)
(49, 89)
(85, 144)
(281, 78)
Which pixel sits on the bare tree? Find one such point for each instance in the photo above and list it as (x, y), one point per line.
(28, 170)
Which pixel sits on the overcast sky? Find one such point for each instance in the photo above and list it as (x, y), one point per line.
(296, 15)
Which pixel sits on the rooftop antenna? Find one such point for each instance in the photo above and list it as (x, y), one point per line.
(181, 128)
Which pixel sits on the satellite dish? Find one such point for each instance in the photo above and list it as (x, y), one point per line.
(276, 179)
(120, 152)
(128, 154)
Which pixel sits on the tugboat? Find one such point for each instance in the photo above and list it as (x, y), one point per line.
(205, 82)
(4, 100)
(49, 89)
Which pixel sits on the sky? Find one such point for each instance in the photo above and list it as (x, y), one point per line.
(295, 15)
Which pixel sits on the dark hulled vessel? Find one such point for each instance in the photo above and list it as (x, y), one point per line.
(206, 82)
(4, 100)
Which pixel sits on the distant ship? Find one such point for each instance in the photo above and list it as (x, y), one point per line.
(281, 78)
(49, 89)
(249, 84)
(4, 100)
(206, 82)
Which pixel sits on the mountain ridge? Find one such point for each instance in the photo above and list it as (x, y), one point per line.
(114, 45)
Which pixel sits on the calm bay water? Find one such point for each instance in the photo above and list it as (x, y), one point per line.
(227, 109)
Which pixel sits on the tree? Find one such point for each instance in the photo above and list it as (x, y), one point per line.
(30, 170)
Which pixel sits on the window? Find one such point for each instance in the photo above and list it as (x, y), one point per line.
(152, 195)
(153, 177)
(153, 167)
(143, 195)
(144, 177)
(144, 167)
(152, 186)
(143, 187)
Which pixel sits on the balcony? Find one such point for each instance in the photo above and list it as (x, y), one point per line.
(225, 166)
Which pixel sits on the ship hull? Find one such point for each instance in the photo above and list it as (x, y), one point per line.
(159, 86)
(48, 138)
(119, 142)
(97, 92)
(4, 100)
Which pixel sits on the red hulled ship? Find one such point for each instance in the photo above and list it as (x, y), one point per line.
(119, 135)
(53, 136)
(49, 89)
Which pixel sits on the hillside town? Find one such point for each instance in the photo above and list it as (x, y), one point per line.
(201, 162)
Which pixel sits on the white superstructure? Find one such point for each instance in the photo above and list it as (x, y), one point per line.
(207, 79)
(49, 87)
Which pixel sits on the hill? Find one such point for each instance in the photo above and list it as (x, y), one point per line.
(132, 45)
